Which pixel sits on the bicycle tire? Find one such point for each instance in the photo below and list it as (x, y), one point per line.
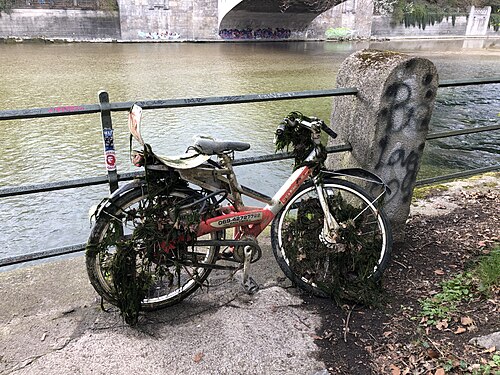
(360, 252)
(161, 294)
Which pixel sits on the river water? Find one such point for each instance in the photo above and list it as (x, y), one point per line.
(56, 149)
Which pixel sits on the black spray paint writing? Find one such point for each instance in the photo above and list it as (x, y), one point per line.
(405, 116)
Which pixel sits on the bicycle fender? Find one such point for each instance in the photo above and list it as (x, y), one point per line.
(96, 210)
(359, 173)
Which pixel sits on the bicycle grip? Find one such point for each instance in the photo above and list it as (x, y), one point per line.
(328, 131)
(280, 129)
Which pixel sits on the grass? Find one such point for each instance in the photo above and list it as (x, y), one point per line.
(488, 271)
(479, 282)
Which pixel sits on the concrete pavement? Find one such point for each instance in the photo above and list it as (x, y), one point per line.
(51, 323)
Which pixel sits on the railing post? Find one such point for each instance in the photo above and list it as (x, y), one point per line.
(109, 143)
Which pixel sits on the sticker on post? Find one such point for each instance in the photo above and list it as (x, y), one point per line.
(109, 144)
(110, 160)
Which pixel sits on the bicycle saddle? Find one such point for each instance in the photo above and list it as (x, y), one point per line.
(209, 146)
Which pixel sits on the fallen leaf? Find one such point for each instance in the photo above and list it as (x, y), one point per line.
(432, 353)
(460, 330)
(442, 324)
(395, 370)
(439, 272)
(387, 333)
(472, 328)
(198, 357)
(316, 337)
(439, 371)
(466, 321)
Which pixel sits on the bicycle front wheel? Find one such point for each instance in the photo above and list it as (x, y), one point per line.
(326, 264)
(170, 271)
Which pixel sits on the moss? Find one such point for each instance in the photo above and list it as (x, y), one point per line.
(370, 57)
(425, 192)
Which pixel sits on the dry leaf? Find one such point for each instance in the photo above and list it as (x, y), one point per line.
(460, 330)
(439, 371)
(439, 272)
(442, 324)
(387, 333)
(198, 357)
(395, 370)
(432, 353)
(466, 321)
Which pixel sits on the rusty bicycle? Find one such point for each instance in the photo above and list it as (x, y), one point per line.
(168, 230)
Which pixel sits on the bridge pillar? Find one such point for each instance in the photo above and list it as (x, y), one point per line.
(387, 122)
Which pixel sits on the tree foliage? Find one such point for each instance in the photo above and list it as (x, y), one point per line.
(5, 6)
(422, 13)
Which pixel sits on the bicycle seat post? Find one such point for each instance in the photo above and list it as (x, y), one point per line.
(233, 182)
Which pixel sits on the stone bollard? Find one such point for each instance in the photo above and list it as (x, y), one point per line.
(386, 123)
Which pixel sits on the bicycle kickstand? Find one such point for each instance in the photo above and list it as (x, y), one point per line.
(248, 282)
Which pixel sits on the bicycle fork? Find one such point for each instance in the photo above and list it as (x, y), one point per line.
(328, 235)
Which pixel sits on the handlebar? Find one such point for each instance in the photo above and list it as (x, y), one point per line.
(307, 122)
(328, 131)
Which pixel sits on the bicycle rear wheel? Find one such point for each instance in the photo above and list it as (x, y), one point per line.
(357, 253)
(170, 271)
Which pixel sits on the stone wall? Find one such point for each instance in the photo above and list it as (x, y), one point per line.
(59, 23)
(353, 15)
(382, 27)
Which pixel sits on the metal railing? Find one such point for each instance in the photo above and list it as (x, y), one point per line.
(105, 108)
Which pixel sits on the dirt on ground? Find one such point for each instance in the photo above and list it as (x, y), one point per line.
(449, 230)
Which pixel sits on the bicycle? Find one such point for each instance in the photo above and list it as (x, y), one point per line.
(168, 230)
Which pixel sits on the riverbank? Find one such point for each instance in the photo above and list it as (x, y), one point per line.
(49, 40)
(52, 323)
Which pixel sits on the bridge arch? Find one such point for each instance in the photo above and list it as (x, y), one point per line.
(293, 15)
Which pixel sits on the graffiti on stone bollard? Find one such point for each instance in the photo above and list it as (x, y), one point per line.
(405, 112)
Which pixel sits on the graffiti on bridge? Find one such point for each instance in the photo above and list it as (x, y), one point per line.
(160, 35)
(248, 33)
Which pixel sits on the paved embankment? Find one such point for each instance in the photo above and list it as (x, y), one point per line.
(51, 323)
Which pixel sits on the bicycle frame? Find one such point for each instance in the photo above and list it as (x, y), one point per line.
(253, 220)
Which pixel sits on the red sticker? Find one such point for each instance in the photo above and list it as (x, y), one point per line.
(110, 160)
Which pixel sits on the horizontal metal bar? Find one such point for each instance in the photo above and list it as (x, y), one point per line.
(101, 180)
(284, 156)
(52, 186)
(42, 255)
(171, 103)
(237, 99)
(454, 133)
(69, 110)
(472, 172)
(469, 82)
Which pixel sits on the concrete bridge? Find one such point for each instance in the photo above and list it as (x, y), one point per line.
(287, 14)
(203, 19)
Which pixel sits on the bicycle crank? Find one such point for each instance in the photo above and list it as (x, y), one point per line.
(248, 282)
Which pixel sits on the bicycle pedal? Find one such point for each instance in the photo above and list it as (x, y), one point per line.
(250, 286)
